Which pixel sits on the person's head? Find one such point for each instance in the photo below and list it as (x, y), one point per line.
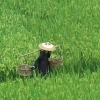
(43, 51)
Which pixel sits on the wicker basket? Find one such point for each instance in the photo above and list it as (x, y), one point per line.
(24, 70)
(55, 62)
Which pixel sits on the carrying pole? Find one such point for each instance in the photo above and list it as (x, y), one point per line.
(28, 53)
(33, 52)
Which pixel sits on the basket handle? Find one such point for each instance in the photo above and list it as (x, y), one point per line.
(57, 46)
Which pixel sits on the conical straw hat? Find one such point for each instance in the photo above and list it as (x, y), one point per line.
(47, 46)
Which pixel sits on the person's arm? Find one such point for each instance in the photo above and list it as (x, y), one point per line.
(36, 63)
(48, 54)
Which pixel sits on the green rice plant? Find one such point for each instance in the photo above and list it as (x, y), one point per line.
(62, 86)
(72, 24)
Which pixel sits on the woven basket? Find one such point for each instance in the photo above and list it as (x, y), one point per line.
(24, 70)
(55, 62)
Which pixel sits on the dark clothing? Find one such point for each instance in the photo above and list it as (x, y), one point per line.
(42, 62)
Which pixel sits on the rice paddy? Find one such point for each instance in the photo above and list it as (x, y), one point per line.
(72, 24)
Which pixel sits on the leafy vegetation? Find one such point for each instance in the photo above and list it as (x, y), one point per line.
(74, 25)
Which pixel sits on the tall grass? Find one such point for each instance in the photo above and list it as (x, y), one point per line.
(73, 24)
(62, 86)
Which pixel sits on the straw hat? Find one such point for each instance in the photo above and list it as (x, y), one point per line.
(47, 46)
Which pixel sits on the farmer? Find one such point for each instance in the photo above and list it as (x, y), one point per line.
(42, 62)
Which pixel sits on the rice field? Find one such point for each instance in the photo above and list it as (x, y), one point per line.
(72, 24)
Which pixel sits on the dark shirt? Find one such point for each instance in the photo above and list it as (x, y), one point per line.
(42, 62)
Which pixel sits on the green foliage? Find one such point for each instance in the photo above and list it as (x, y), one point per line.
(62, 86)
(74, 25)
